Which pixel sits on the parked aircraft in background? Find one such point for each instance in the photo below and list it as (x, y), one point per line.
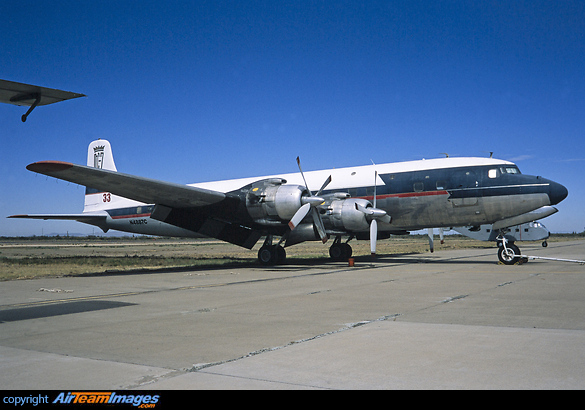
(365, 202)
(531, 231)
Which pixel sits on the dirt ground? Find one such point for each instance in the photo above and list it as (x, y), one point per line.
(25, 258)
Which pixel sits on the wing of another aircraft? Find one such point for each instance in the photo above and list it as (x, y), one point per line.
(32, 95)
(140, 189)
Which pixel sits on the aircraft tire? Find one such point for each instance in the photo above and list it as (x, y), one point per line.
(267, 256)
(340, 251)
(271, 255)
(510, 255)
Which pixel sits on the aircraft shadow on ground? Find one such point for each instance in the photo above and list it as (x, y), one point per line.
(58, 309)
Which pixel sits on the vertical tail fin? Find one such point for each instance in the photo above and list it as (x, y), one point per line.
(99, 155)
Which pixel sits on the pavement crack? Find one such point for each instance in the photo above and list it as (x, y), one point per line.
(201, 366)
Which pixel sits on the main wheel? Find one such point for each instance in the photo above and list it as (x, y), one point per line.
(340, 251)
(509, 255)
(271, 255)
(267, 256)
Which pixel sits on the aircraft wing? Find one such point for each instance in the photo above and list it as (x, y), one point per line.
(32, 95)
(140, 189)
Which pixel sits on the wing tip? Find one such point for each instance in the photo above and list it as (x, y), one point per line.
(49, 166)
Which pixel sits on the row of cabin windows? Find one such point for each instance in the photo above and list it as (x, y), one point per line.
(440, 185)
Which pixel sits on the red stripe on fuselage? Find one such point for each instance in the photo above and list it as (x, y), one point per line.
(131, 216)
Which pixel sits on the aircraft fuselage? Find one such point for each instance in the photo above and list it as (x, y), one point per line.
(419, 194)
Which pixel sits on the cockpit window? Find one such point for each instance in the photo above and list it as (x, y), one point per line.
(509, 170)
(493, 173)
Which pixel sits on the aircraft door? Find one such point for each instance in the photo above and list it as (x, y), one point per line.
(465, 182)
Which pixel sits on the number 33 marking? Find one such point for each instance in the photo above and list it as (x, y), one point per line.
(107, 197)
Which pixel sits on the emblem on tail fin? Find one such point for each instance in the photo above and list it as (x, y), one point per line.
(98, 156)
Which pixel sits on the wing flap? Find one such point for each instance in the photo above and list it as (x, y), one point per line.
(140, 189)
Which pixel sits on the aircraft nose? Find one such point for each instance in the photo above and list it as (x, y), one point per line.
(557, 193)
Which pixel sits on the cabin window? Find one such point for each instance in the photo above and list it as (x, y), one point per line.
(440, 185)
(419, 187)
(492, 173)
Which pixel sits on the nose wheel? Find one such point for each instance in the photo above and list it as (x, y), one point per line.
(508, 253)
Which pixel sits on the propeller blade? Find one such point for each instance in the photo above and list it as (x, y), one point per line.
(373, 236)
(311, 203)
(375, 186)
(299, 216)
(386, 219)
(327, 182)
(303, 175)
(319, 225)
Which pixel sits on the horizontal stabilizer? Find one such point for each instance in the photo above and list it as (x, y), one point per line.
(64, 217)
(95, 219)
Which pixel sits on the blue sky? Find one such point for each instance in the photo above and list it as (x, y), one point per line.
(193, 91)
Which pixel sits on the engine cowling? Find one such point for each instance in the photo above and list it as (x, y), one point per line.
(344, 214)
(272, 201)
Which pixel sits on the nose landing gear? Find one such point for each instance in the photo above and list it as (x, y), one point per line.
(508, 253)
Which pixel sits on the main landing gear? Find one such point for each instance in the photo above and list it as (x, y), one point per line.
(339, 251)
(270, 254)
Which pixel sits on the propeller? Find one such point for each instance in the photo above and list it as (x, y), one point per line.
(374, 214)
(310, 204)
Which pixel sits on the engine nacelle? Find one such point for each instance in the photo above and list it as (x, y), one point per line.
(272, 202)
(344, 214)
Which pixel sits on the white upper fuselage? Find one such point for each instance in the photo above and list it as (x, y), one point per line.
(355, 177)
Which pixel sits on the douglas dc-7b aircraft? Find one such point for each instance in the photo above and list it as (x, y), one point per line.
(365, 202)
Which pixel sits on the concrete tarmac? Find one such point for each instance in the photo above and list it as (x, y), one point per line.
(448, 320)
